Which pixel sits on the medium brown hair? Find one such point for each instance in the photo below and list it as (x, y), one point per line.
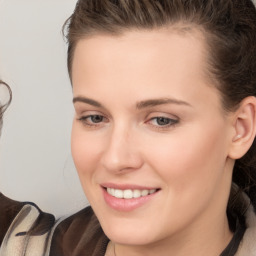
(229, 27)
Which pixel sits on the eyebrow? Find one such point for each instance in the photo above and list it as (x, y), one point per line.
(87, 101)
(161, 101)
(140, 105)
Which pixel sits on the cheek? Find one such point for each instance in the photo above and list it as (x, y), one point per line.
(85, 152)
(188, 158)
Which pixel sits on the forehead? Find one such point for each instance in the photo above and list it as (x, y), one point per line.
(152, 61)
(133, 46)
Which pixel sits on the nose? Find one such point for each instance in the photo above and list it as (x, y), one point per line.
(121, 153)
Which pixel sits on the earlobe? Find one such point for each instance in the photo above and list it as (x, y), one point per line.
(245, 128)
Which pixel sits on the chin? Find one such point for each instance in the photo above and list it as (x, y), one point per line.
(129, 232)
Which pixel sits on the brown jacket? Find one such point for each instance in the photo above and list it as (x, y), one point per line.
(77, 235)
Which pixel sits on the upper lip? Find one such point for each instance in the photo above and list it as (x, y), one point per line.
(126, 186)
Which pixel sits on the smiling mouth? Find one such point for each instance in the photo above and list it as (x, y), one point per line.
(130, 193)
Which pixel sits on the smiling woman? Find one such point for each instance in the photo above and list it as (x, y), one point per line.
(165, 114)
(155, 145)
(164, 129)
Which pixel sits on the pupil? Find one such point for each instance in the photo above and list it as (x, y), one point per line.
(97, 119)
(162, 121)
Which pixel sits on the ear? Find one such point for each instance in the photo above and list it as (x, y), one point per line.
(244, 127)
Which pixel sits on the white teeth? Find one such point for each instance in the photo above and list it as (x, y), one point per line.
(136, 193)
(119, 193)
(129, 194)
(145, 192)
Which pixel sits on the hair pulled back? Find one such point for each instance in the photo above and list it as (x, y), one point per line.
(229, 28)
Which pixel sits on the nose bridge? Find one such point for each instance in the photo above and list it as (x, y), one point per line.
(121, 152)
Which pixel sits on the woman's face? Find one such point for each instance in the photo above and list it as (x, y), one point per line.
(150, 140)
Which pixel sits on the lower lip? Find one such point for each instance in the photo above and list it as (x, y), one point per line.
(126, 205)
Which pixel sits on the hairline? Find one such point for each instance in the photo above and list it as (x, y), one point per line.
(179, 27)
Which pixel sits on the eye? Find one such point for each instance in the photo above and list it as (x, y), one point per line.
(96, 118)
(162, 122)
(93, 120)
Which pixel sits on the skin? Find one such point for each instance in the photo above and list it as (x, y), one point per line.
(118, 138)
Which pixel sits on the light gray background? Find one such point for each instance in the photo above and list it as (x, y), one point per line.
(35, 159)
